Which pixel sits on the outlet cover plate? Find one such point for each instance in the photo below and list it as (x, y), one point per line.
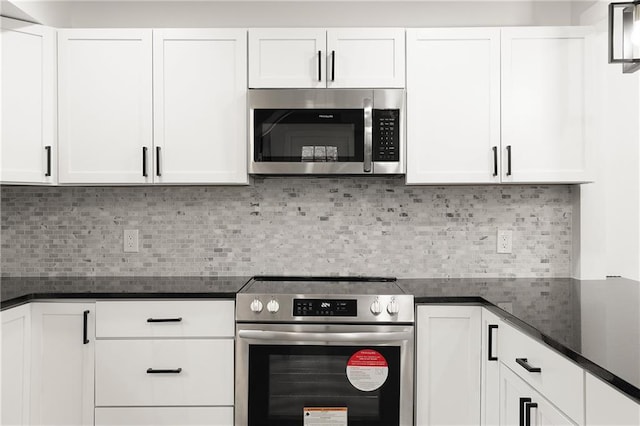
(130, 240)
(504, 241)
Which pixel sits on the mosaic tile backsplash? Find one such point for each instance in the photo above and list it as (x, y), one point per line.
(293, 226)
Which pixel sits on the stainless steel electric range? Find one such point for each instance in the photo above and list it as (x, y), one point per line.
(319, 350)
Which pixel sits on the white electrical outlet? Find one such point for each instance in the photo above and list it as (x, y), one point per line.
(505, 241)
(131, 240)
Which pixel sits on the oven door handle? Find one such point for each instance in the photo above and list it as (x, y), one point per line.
(303, 336)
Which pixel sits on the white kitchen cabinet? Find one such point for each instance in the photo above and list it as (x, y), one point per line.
(105, 106)
(365, 57)
(606, 406)
(453, 105)
(62, 354)
(319, 58)
(29, 148)
(164, 416)
(16, 365)
(543, 105)
(490, 392)
(517, 400)
(287, 57)
(200, 86)
(447, 365)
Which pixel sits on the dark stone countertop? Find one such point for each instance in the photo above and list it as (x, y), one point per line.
(594, 323)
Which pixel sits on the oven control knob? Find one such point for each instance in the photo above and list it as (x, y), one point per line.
(273, 306)
(376, 307)
(256, 306)
(393, 307)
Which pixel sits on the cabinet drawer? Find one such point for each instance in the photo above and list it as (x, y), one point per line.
(165, 416)
(205, 374)
(210, 318)
(559, 379)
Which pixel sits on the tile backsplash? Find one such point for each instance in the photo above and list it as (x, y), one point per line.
(294, 226)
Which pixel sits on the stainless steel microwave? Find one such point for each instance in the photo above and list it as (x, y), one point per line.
(326, 131)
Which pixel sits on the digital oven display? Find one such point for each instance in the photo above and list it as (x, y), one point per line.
(324, 308)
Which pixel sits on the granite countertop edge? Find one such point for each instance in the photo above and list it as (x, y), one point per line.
(45, 288)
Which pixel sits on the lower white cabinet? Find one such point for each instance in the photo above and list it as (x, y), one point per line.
(521, 405)
(62, 356)
(490, 392)
(165, 416)
(16, 368)
(606, 406)
(447, 365)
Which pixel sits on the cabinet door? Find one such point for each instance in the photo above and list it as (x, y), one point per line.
(200, 86)
(453, 105)
(543, 105)
(448, 365)
(365, 57)
(16, 370)
(514, 396)
(62, 364)
(105, 108)
(28, 103)
(607, 406)
(490, 395)
(292, 57)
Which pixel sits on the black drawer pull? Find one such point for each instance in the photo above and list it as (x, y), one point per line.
(319, 65)
(523, 403)
(85, 319)
(154, 371)
(490, 342)
(164, 319)
(333, 65)
(527, 416)
(523, 363)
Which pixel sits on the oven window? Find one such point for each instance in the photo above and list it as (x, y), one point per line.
(308, 135)
(283, 380)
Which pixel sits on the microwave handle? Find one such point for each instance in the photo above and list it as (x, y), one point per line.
(368, 134)
(302, 336)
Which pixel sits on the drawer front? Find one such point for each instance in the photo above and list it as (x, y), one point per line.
(559, 379)
(193, 318)
(205, 374)
(165, 416)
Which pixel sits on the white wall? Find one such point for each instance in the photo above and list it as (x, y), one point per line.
(609, 219)
(301, 13)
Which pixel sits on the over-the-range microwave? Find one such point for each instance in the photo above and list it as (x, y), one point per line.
(326, 131)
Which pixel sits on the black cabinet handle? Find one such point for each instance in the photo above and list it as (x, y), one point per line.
(158, 161)
(495, 161)
(154, 371)
(144, 161)
(333, 65)
(48, 149)
(490, 342)
(85, 320)
(523, 403)
(164, 319)
(508, 160)
(319, 65)
(527, 412)
(523, 362)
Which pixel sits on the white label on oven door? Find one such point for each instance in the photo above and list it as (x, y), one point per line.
(325, 416)
(367, 370)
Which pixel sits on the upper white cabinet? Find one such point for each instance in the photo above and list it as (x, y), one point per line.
(496, 105)
(453, 105)
(318, 58)
(28, 151)
(105, 110)
(200, 85)
(543, 105)
(447, 365)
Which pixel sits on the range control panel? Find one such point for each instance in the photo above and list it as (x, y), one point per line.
(386, 135)
(325, 307)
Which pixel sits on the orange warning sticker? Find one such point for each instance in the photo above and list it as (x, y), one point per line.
(367, 370)
(325, 416)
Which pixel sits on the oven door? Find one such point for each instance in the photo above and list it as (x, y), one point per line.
(362, 374)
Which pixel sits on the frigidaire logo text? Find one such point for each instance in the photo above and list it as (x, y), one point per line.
(325, 116)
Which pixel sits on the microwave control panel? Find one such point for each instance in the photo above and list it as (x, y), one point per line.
(386, 135)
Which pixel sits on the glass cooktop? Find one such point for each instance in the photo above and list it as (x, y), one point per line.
(323, 285)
